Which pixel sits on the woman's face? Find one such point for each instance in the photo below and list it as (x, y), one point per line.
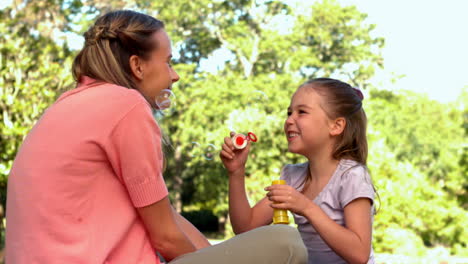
(157, 73)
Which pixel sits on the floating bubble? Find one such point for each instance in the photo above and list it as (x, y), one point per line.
(258, 98)
(165, 99)
(194, 150)
(209, 153)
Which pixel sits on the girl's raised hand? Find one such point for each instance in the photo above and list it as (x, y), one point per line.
(286, 197)
(233, 159)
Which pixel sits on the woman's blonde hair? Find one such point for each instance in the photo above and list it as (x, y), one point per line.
(110, 43)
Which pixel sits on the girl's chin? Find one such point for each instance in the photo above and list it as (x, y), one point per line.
(293, 150)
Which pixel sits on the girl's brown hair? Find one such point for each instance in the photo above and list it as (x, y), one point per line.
(342, 100)
(110, 43)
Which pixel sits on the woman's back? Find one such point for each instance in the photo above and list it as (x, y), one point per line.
(76, 208)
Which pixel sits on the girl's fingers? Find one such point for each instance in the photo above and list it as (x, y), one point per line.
(279, 205)
(277, 187)
(225, 154)
(279, 195)
(279, 199)
(227, 149)
(228, 142)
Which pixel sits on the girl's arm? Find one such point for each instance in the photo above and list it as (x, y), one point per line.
(195, 236)
(352, 243)
(243, 217)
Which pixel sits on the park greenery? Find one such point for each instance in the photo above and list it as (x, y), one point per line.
(418, 154)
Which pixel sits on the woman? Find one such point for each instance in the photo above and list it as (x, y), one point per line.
(86, 185)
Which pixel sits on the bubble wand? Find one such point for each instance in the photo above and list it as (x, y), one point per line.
(240, 140)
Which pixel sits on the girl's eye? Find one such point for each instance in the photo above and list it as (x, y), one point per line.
(302, 112)
(289, 113)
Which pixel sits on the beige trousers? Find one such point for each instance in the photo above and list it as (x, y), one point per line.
(269, 244)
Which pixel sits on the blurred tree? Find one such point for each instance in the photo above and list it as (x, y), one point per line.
(335, 40)
(262, 55)
(31, 73)
(207, 110)
(418, 147)
(425, 133)
(415, 147)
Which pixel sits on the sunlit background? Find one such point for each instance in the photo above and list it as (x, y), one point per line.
(415, 100)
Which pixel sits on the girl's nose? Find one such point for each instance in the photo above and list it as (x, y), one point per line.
(289, 120)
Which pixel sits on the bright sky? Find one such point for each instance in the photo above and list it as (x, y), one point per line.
(426, 40)
(426, 44)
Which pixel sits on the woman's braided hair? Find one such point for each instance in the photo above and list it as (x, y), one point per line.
(110, 43)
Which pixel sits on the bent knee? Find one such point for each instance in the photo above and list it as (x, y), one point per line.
(286, 241)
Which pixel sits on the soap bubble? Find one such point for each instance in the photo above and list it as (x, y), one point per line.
(195, 149)
(165, 99)
(209, 152)
(204, 151)
(260, 96)
(257, 98)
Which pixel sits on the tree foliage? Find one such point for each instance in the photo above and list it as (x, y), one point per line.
(31, 75)
(418, 149)
(416, 161)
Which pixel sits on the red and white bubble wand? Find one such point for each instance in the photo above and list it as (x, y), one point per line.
(240, 140)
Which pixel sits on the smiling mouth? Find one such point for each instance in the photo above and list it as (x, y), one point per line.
(292, 135)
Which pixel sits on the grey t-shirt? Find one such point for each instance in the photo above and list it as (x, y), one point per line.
(350, 181)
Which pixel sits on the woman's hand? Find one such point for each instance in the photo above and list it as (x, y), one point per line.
(286, 197)
(233, 159)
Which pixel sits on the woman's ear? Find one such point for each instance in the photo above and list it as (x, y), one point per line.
(136, 65)
(337, 126)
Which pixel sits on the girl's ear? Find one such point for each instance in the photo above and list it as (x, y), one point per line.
(136, 65)
(337, 126)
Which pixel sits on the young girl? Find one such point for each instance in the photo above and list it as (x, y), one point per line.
(331, 196)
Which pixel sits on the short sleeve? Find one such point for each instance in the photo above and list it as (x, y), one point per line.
(285, 176)
(294, 175)
(355, 183)
(137, 156)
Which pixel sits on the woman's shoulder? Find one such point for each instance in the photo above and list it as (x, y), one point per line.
(107, 89)
(104, 101)
(120, 92)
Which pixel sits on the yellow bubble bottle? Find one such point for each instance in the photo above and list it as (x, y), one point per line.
(280, 216)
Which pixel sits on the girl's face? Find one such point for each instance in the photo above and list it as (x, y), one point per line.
(157, 71)
(307, 125)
